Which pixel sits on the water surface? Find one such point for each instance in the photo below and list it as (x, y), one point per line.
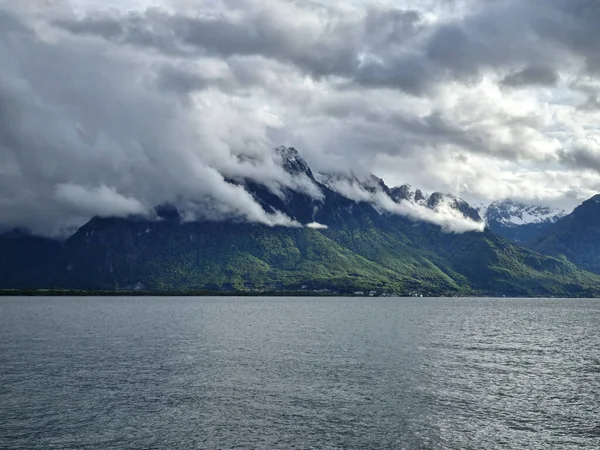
(299, 373)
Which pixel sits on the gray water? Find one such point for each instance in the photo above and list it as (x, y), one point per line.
(299, 373)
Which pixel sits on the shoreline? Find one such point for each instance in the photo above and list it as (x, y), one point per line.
(112, 293)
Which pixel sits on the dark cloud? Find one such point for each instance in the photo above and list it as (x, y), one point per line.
(335, 51)
(391, 26)
(9, 24)
(542, 76)
(180, 80)
(592, 103)
(95, 107)
(107, 27)
(574, 26)
(584, 156)
(82, 133)
(259, 34)
(389, 48)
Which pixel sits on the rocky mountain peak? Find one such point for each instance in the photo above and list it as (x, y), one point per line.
(292, 162)
(510, 213)
(419, 196)
(403, 192)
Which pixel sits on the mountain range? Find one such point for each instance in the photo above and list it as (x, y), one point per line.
(358, 235)
(575, 237)
(519, 222)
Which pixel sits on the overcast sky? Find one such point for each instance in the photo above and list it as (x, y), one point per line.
(111, 107)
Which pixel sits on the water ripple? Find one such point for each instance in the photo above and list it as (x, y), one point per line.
(292, 373)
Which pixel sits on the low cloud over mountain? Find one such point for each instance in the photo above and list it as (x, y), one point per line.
(112, 108)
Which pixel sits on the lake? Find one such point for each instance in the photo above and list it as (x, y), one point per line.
(299, 373)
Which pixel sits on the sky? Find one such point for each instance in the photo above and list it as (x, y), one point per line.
(112, 107)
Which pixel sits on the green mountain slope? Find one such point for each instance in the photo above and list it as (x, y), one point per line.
(395, 256)
(469, 262)
(503, 267)
(120, 254)
(575, 237)
(361, 249)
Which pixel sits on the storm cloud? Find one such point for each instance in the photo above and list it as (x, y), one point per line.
(112, 108)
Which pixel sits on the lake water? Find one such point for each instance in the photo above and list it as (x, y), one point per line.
(299, 373)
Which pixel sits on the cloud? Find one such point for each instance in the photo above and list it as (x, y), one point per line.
(584, 155)
(110, 127)
(316, 226)
(533, 75)
(100, 201)
(170, 101)
(376, 47)
(443, 214)
(449, 219)
(352, 190)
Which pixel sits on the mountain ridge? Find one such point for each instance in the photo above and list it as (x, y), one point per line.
(367, 245)
(518, 221)
(575, 237)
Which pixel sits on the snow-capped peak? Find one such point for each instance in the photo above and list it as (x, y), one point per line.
(511, 213)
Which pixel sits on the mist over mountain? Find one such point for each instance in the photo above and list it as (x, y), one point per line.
(304, 205)
(180, 102)
(143, 134)
(356, 234)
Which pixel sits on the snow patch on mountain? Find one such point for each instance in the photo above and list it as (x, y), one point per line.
(292, 162)
(513, 214)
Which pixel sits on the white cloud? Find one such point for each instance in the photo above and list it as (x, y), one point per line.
(316, 226)
(101, 201)
(448, 218)
(165, 101)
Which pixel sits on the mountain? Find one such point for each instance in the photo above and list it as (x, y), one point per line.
(575, 237)
(401, 257)
(517, 221)
(458, 204)
(404, 195)
(350, 245)
(292, 162)
(22, 252)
